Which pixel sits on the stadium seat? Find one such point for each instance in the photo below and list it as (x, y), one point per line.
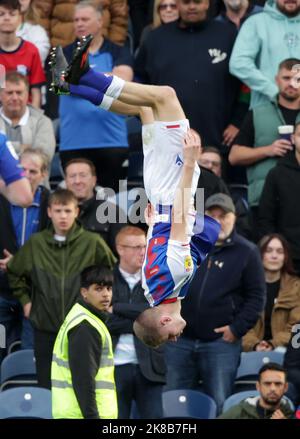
(188, 404)
(26, 402)
(236, 398)
(18, 369)
(250, 364)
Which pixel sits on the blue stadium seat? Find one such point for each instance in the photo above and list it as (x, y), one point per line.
(251, 362)
(18, 369)
(26, 402)
(186, 403)
(236, 398)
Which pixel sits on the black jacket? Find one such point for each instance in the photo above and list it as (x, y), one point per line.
(85, 348)
(92, 217)
(279, 209)
(8, 239)
(228, 289)
(194, 61)
(127, 305)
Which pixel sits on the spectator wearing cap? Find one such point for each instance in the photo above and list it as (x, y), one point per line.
(224, 301)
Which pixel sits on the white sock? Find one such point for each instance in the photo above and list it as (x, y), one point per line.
(106, 102)
(115, 87)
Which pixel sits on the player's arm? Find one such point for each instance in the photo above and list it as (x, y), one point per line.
(36, 97)
(183, 195)
(18, 192)
(13, 185)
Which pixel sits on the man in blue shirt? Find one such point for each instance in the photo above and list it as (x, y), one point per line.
(100, 136)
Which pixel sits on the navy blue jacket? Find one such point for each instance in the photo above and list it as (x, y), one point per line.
(227, 289)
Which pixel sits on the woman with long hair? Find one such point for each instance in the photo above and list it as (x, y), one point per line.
(282, 309)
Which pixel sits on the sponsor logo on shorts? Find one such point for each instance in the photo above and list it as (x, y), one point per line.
(188, 263)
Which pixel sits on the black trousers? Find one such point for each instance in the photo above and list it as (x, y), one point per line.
(132, 385)
(43, 349)
(107, 161)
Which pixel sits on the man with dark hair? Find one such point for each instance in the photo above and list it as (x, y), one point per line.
(270, 404)
(44, 273)
(82, 372)
(258, 145)
(96, 213)
(18, 54)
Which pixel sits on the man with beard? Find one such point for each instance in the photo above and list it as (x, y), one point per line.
(258, 145)
(265, 40)
(270, 404)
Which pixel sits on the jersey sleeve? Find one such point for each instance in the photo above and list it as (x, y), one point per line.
(10, 168)
(37, 75)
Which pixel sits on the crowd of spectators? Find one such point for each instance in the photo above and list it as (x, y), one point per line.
(235, 68)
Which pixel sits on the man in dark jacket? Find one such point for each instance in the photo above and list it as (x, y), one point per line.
(45, 274)
(278, 208)
(270, 404)
(192, 56)
(17, 224)
(224, 301)
(139, 369)
(96, 213)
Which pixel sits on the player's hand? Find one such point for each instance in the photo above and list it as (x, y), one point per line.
(278, 415)
(191, 147)
(279, 148)
(230, 134)
(149, 214)
(5, 260)
(227, 333)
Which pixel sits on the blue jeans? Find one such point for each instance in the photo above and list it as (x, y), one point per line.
(215, 363)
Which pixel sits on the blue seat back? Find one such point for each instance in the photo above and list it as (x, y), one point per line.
(251, 362)
(26, 402)
(18, 367)
(186, 403)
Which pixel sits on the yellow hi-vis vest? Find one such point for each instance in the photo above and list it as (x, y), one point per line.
(64, 402)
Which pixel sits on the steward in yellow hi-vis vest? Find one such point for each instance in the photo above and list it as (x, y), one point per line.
(82, 372)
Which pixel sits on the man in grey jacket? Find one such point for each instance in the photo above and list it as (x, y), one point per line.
(24, 125)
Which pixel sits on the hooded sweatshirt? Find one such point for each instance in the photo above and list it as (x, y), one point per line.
(264, 41)
(279, 209)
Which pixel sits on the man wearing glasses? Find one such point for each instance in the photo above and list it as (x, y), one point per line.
(139, 370)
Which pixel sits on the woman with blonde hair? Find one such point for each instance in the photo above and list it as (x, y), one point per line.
(30, 31)
(164, 11)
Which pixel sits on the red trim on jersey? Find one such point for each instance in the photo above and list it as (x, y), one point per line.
(172, 300)
(173, 126)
